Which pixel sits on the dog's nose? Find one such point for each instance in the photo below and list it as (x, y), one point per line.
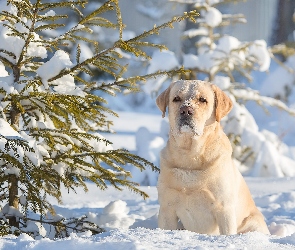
(186, 110)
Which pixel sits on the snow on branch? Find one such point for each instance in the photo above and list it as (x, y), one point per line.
(248, 94)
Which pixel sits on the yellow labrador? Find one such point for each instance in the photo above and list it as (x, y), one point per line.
(198, 183)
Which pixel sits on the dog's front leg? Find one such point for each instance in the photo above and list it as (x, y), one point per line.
(226, 220)
(167, 218)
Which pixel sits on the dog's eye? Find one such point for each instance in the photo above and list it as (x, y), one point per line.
(176, 99)
(202, 99)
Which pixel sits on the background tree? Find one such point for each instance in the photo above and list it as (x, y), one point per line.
(229, 63)
(283, 25)
(50, 115)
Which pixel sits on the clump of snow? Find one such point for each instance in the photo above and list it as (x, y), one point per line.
(51, 68)
(114, 215)
(12, 170)
(229, 50)
(165, 60)
(226, 48)
(213, 17)
(50, 13)
(66, 85)
(281, 229)
(10, 211)
(196, 32)
(203, 44)
(265, 157)
(259, 50)
(7, 132)
(25, 237)
(3, 72)
(280, 80)
(148, 147)
(161, 61)
(36, 227)
(6, 83)
(227, 43)
(223, 82)
(15, 44)
(99, 145)
(61, 168)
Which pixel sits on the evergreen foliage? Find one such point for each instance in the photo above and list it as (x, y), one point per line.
(52, 115)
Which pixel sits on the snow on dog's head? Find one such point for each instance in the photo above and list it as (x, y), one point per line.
(192, 105)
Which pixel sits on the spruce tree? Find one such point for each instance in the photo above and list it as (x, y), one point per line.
(50, 116)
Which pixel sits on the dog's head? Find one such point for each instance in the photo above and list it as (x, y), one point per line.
(192, 105)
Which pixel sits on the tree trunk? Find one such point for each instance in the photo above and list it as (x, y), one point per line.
(284, 25)
(13, 199)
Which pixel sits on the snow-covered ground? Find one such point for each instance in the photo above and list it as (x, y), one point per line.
(131, 222)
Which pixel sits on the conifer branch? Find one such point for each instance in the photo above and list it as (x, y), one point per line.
(125, 45)
(133, 80)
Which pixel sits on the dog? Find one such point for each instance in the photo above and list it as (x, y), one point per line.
(198, 183)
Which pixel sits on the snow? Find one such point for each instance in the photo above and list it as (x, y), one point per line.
(86, 52)
(3, 72)
(9, 8)
(275, 84)
(9, 210)
(213, 17)
(52, 67)
(131, 222)
(161, 61)
(275, 197)
(190, 61)
(230, 50)
(65, 84)
(15, 44)
(195, 32)
(50, 13)
(259, 50)
(150, 11)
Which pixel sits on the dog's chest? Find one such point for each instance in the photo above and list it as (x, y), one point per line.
(196, 210)
(186, 178)
(196, 200)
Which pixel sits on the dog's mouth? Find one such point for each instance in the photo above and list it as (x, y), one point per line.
(188, 126)
(185, 129)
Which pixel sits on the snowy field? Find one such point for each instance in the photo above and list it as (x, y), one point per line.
(131, 222)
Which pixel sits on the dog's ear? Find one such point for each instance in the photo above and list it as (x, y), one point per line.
(163, 100)
(223, 103)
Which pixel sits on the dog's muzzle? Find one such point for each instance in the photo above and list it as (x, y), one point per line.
(186, 117)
